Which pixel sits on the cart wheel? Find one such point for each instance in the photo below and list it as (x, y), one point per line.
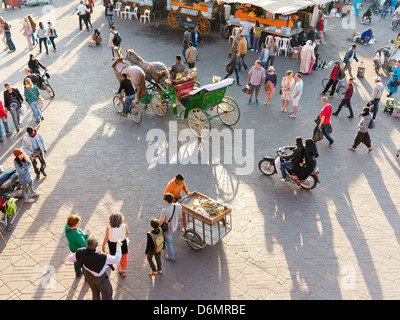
(199, 123)
(118, 105)
(9, 227)
(159, 104)
(228, 111)
(173, 19)
(193, 239)
(204, 26)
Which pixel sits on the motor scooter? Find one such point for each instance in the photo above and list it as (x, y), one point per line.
(270, 165)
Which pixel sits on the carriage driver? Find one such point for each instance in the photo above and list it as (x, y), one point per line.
(130, 94)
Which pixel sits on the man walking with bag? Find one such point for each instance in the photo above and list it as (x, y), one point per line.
(324, 119)
(171, 215)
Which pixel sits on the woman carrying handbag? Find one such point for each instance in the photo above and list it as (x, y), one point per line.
(34, 99)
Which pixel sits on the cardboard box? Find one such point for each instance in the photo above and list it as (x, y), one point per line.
(295, 56)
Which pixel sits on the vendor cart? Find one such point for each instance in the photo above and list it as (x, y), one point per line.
(190, 14)
(199, 228)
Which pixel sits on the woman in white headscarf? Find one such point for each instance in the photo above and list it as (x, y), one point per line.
(306, 55)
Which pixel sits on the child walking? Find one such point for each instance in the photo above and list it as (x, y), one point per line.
(155, 245)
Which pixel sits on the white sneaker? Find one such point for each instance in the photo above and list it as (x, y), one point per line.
(292, 116)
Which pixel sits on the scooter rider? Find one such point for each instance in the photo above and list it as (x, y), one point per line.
(292, 159)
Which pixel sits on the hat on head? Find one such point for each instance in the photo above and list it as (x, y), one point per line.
(378, 78)
(271, 68)
(17, 152)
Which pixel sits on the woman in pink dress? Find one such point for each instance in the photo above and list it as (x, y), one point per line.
(26, 27)
(287, 86)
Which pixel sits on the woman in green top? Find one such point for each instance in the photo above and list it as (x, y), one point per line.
(76, 238)
(32, 96)
(256, 36)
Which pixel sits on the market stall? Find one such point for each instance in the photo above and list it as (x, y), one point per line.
(283, 18)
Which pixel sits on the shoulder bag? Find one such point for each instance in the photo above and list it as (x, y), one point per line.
(164, 226)
(40, 100)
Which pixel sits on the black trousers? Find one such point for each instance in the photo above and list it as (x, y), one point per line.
(83, 17)
(44, 41)
(331, 83)
(42, 163)
(345, 102)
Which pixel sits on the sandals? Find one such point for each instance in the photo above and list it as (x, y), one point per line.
(369, 150)
(351, 149)
(159, 271)
(152, 273)
(122, 273)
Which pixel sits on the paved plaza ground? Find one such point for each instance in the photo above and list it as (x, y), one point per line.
(338, 241)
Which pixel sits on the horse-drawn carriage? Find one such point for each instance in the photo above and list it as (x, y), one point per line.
(199, 104)
(189, 13)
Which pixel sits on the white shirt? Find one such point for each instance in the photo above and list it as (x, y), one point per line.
(82, 9)
(115, 234)
(110, 260)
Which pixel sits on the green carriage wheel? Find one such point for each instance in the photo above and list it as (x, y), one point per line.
(228, 111)
(159, 104)
(199, 123)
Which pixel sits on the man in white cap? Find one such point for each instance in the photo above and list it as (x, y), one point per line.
(376, 96)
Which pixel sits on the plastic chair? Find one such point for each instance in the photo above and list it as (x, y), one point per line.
(267, 38)
(145, 16)
(134, 13)
(235, 31)
(117, 9)
(278, 41)
(284, 46)
(126, 12)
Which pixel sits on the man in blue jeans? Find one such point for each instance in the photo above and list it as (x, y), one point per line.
(376, 96)
(7, 34)
(3, 118)
(171, 215)
(127, 86)
(324, 120)
(292, 159)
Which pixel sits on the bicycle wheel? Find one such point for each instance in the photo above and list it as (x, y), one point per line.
(324, 82)
(136, 113)
(50, 91)
(341, 90)
(118, 105)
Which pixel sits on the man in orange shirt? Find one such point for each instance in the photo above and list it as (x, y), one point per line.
(175, 187)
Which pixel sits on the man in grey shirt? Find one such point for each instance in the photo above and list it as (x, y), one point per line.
(376, 96)
(172, 215)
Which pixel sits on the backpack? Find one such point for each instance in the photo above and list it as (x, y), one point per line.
(11, 208)
(158, 240)
(117, 39)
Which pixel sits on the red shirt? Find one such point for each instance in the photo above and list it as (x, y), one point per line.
(3, 113)
(334, 73)
(326, 112)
